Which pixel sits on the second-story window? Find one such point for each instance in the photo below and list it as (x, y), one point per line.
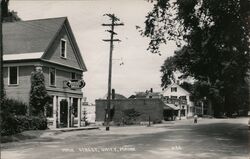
(73, 75)
(63, 48)
(173, 89)
(52, 76)
(13, 75)
(183, 97)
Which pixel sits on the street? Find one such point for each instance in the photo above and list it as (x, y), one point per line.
(209, 139)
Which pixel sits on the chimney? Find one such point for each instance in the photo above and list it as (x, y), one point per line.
(113, 94)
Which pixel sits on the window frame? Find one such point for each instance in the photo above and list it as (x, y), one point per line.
(17, 81)
(50, 103)
(65, 48)
(50, 77)
(173, 97)
(75, 107)
(71, 75)
(173, 89)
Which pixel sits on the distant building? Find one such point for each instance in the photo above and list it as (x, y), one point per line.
(90, 112)
(148, 94)
(175, 95)
(174, 102)
(50, 46)
(147, 108)
(117, 96)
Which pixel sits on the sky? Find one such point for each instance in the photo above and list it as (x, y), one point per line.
(140, 70)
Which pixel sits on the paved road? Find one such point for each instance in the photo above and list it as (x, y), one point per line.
(209, 139)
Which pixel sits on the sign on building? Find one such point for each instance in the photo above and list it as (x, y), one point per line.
(75, 84)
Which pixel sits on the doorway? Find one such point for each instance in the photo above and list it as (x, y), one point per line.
(63, 113)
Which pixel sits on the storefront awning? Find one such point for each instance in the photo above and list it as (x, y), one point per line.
(170, 106)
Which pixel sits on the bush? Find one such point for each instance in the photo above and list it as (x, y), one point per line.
(157, 121)
(15, 124)
(12, 106)
(130, 116)
(38, 123)
(13, 119)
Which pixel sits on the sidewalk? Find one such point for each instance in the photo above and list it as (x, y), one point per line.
(34, 134)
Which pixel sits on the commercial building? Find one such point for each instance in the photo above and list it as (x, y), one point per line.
(178, 98)
(50, 46)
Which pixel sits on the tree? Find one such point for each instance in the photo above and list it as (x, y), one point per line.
(213, 42)
(168, 69)
(8, 16)
(5, 16)
(38, 94)
(130, 116)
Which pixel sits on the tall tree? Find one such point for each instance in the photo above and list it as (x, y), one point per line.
(5, 16)
(213, 42)
(38, 94)
(167, 70)
(3, 7)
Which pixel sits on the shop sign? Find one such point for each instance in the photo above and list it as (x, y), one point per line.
(75, 84)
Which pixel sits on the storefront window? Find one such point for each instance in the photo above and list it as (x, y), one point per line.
(49, 108)
(75, 107)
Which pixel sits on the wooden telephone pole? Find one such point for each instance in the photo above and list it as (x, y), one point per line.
(1, 54)
(114, 23)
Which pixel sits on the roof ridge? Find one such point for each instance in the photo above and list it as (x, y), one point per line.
(52, 18)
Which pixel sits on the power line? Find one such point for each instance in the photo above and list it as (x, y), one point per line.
(114, 23)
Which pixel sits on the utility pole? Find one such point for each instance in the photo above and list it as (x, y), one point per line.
(114, 23)
(1, 54)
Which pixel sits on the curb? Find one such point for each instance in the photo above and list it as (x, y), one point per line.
(75, 129)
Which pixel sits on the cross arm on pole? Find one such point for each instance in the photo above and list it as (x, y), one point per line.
(114, 40)
(115, 24)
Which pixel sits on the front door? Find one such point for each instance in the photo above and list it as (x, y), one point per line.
(63, 113)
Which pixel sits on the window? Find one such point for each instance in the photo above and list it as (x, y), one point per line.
(183, 97)
(49, 108)
(173, 89)
(173, 97)
(13, 75)
(75, 107)
(52, 76)
(63, 48)
(73, 75)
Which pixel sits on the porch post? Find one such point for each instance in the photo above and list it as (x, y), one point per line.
(59, 115)
(68, 116)
(202, 108)
(54, 111)
(186, 111)
(79, 111)
(179, 114)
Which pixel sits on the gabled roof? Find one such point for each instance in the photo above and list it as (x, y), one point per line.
(146, 94)
(31, 39)
(30, 36)
(175, 85)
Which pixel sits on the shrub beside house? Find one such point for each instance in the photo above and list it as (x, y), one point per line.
(14, 118)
